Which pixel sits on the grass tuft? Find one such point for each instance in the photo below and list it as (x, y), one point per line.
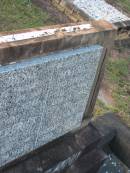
(21, 14)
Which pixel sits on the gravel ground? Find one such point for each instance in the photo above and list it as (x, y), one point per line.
(99, 9)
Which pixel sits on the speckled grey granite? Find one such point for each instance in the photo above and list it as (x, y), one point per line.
(44, 98)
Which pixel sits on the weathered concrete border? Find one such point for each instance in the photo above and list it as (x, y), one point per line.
(102, 33)
(71, 147)
(121, 143)
(71, 10)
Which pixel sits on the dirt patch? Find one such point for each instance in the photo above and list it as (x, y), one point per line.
(121, 50)
(106, 90)
(117, 54)
(105, 94)
(57, 16)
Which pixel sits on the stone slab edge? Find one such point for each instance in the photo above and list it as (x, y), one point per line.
(88, 114)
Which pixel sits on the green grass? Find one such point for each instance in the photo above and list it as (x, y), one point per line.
(118, 75)
(118, 72)
(125, 4)
(20, 14)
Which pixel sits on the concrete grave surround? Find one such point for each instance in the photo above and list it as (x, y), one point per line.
(100, 9)
(43, 98)
(42, 33)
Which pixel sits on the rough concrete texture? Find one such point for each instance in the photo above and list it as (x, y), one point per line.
(64, 37)
(100, 9)
(42, 33)
(43, 98)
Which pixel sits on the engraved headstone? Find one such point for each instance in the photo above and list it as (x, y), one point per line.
(43, 98)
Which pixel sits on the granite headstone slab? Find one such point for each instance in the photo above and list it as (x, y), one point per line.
(43, 98)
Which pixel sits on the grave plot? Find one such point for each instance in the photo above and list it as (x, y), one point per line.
(99, 9)
(47, 83)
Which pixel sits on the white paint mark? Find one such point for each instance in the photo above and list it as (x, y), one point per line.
(43, 33)
(12, 63)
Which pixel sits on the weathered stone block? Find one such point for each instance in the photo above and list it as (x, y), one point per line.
(43, 98)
